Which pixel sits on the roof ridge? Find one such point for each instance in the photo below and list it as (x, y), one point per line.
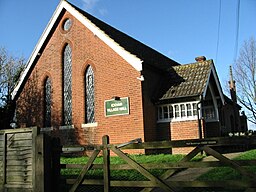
(209, 61)
(131, 44)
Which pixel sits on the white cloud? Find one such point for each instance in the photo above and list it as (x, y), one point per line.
(103, 12)
(92, 6)
(89, 5)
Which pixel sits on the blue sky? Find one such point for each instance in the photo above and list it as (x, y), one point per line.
(179, 29)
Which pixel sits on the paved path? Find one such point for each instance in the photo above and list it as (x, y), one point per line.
(192, 174)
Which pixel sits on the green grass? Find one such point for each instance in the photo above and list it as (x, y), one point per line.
(228, 173)
(121, 174)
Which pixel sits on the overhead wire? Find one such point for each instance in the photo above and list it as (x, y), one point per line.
(218, 34)
(237, 30)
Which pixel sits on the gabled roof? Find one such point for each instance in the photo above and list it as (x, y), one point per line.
(142, 51)
(192, 80)
(133, 51)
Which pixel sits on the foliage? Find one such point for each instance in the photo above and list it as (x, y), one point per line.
(245, 77)
(10, 70)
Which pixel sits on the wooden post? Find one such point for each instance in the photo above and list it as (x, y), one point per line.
(106, 163)
(4, 160)
(38, 181)
(42, 181)
(56, 150)
(35, 133)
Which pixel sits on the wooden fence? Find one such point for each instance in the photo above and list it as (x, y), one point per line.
(30, 161)
(26, 161)
(163, 182)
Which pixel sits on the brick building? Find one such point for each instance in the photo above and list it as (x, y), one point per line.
(86, 79)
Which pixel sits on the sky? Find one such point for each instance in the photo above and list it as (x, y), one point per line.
(179, 29)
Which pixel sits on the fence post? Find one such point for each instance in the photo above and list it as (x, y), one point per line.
(106, 162)
(42, 181)
(56, 150)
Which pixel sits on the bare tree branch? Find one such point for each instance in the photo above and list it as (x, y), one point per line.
(245, 77)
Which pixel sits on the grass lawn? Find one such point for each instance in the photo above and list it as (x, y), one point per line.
(216, 174)
(227, 173)
(121, 174)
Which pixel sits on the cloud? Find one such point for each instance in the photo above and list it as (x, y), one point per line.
(89, 5)
(103, 12)
(170, 53)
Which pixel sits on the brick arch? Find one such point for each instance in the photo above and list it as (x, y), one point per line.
(64, 44)
(88, 63)
(44, 77)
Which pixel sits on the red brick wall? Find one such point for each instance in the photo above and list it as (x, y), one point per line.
(113, 77)
(181, 130)
(149, 86)
(184, 130)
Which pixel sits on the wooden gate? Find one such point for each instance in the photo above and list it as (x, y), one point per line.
(162, 182)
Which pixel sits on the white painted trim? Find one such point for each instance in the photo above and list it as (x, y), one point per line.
(130, 58)
(207, 84)
(175, 119)
(178, 119)
(38, 46)
(213, 71)
(218, 84)
(214, 102)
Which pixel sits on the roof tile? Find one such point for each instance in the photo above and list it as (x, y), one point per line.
(191, 82)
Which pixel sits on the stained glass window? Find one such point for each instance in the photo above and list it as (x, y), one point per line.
(48, 102)
(67, 85)
(89, 95)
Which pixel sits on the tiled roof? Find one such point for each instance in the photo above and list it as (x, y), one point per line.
(189, 80)
(145, 53)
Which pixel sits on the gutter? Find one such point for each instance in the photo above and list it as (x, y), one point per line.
(198, 119)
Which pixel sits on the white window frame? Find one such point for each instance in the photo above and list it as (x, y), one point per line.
(162, 118)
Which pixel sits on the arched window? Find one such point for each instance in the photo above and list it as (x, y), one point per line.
(47, 102)
(67, 85)
(89, 95)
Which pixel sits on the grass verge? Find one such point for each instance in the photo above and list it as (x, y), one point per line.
(228, 173)
(132, 175)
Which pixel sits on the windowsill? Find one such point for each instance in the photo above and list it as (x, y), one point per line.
(45, 129)
(85, 125)
(177, 119)
(66, 127)
(211, 120)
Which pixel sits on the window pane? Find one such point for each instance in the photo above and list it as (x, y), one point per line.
(189, 112)
(160, 113)
(67, 88)
(165, 112)
(209, 112)
(183, 111)
(194, 109)
(48, 102)
(170, 111)
(89, 83)
(177, 110)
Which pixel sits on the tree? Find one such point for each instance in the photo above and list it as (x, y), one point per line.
(245, 77)
(10, 70)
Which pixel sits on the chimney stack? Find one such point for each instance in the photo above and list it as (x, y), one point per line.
(200, 59)
(232, 86)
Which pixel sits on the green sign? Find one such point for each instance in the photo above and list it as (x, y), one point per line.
(117, 107)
